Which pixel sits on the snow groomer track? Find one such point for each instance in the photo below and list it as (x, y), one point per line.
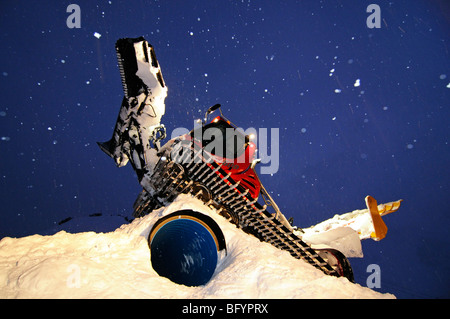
(186, 168)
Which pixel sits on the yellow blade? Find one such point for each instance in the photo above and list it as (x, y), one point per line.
(378, 224)
(388, 208)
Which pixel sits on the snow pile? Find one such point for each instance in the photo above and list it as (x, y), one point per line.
(117, 265)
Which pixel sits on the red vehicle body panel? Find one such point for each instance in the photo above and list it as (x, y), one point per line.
(239, 166)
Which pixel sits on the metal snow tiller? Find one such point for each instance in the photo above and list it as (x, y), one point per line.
(215, 163)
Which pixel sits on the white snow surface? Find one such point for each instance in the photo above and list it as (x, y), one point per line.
(117, 265)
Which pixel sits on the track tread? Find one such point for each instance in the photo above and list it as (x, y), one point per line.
(177, 171)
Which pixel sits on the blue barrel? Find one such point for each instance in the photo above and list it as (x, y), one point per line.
(184, 247)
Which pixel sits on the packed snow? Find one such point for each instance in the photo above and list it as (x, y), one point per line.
(117, 265)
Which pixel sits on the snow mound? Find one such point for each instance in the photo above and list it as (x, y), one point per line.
(117, 265)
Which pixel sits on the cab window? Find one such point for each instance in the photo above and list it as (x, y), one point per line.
(221, 139)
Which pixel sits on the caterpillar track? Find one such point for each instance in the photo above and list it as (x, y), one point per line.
(186, 168)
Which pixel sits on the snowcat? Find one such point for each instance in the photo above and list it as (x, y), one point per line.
(215, 163)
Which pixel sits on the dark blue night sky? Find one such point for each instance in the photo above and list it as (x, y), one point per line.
(291, 65)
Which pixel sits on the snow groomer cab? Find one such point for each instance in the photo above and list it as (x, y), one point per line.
(229, 147)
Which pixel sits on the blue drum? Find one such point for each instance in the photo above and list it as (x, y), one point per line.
(184, 247)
